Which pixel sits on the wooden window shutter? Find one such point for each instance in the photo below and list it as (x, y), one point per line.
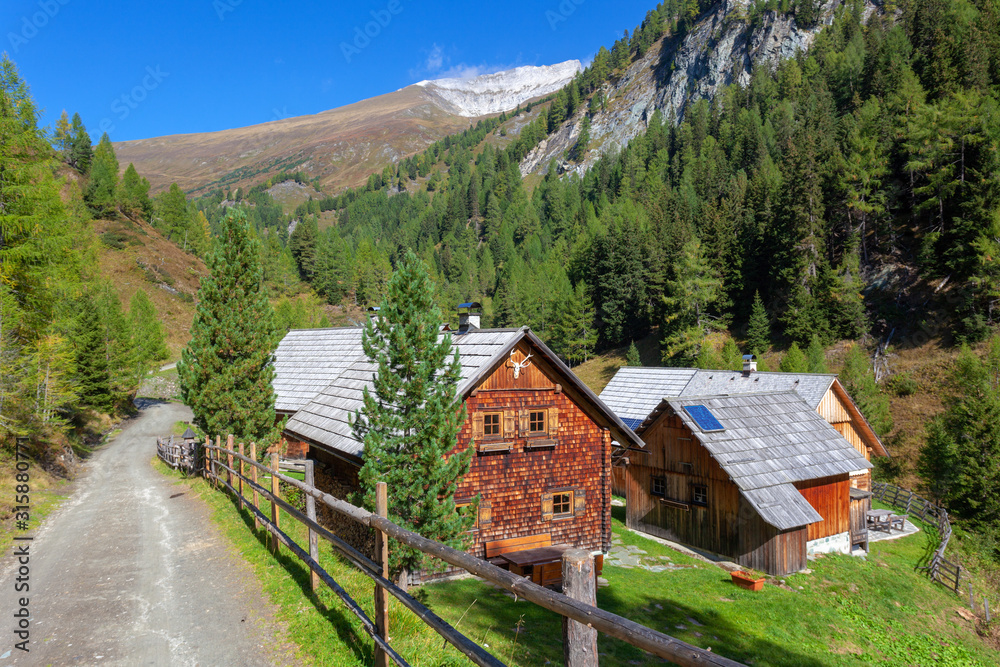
(553, 423)
(477, 426)
(523, 415)
(509, 424)
(579, 502)
(546, 507)
(485, 514)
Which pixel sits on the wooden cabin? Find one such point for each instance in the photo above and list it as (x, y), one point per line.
(760, 478)
(543, 440)
(634, 392)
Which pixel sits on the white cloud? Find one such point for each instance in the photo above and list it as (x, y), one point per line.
(438, 65)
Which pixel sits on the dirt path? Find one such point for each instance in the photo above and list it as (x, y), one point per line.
(131, 571)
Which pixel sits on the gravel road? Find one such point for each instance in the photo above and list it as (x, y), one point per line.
(131, 571)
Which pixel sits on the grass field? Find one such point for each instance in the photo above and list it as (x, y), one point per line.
(846, 611)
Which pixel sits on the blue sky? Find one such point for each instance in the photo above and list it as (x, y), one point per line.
(141, 69)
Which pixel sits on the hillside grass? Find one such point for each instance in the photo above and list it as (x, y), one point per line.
(845, 611)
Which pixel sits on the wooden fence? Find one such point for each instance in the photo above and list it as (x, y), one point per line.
(940, 568)
(179, 454)
(238, 471)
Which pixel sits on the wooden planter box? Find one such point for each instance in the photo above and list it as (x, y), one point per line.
(744, 580)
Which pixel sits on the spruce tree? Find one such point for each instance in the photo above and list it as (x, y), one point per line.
(92, 375)
(632, 356)
(411, 416)
(134, 194)
(225, 370)
(171, 214)
(81, 152)
(759, 328)
(575, 330)
(102, 191)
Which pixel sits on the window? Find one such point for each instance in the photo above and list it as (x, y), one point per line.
(659, 486)
(699, 494)
(491, 424)
(536, 422)
(562, 504)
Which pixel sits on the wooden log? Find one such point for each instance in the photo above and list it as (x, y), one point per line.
(253, 474)
(240, 479)
(579, 583)
(382, 554)
(275, 516)
(313, 537)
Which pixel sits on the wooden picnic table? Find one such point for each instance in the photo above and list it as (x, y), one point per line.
(879, 519)
(542, 564)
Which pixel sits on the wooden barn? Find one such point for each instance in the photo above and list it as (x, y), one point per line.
(543, 440)
(760, 478)
(634, 392)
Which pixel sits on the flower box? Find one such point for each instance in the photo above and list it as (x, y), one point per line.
(747, 580)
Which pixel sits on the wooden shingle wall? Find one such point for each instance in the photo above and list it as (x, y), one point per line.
(518, 474)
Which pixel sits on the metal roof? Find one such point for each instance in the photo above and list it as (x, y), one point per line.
(325, 418)
(770, 441)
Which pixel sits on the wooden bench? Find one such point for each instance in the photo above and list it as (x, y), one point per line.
(497, 547)
(897, 519)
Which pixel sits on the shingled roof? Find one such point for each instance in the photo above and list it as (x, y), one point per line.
(325, 418)
(769, 441)
(635, 391)
(307, 360)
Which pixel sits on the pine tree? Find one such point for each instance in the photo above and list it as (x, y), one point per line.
(816, 355)
(794, 361)
(411, 416)
(632, 356)
(102, 191)
(759, 328)
(225, 370)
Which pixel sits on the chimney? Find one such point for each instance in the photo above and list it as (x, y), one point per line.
(468, 316)
(749, 363)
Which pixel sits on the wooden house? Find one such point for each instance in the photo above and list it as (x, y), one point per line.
(634, 392)
(543, 440)
(760, 478)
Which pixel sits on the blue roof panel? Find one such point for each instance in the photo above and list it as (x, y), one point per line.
(704, 418)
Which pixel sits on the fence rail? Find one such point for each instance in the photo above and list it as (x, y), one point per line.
(178, 454)
(226, 466)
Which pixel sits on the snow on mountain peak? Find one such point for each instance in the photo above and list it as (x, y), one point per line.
(502, 91)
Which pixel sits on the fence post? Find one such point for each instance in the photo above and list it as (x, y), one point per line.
(972, 600)
(986, 606)
(382, 555)
(218, 454)
(311, 513)
(256, 496)
(275, 545)
(204, 456)
(243, 472)
(229, 458)
(579, 640)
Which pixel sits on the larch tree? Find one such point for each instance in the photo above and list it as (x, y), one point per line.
(411, 416)
(794, 361)
(225, 370)
(102, 191)
(688, 306)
